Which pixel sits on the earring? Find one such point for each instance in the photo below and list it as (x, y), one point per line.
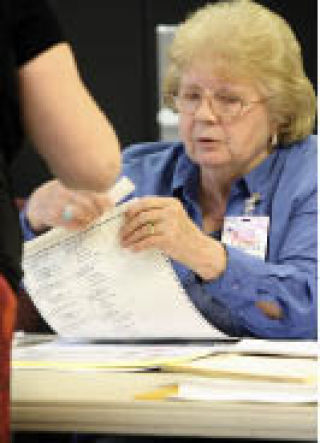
(274, 139)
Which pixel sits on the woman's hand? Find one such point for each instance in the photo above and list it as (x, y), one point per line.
(162, 223)
(52, 204)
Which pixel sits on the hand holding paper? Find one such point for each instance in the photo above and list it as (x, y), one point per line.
(162, 223)
(53, 204)
(86, 285)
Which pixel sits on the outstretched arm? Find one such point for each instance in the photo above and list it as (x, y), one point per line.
(65, 124)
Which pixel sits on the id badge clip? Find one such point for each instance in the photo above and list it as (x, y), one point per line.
(248, 232)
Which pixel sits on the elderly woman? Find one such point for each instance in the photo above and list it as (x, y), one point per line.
(234, 203)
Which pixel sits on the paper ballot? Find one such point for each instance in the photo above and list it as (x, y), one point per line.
(85, 285)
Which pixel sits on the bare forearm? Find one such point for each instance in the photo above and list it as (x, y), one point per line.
(65, 124)
(79, 146)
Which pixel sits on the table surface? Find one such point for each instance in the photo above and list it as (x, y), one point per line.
(90, 401)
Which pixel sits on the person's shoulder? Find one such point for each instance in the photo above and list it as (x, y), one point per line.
(151, 151)
(303, 154)
(306, 148)
(151, 166)
(300, 167)
(35, 29)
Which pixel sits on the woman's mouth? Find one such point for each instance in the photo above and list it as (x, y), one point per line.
(207, 142)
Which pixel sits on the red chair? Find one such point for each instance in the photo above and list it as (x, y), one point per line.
(28, 318)
(7, 321)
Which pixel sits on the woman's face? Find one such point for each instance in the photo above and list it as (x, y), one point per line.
(231, 130)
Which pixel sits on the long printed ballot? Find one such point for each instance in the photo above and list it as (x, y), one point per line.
(85, 284)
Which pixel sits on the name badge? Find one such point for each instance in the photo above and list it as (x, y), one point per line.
(248, 233)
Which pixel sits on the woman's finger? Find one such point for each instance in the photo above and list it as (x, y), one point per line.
(149, 231)
(83, 208)
(131, 224)
(146, 204)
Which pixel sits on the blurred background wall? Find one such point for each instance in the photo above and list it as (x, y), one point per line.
(116, 43)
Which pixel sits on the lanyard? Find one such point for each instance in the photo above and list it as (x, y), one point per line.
(250, 203)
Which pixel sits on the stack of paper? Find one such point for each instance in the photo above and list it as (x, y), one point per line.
(287, 348)
(62, 355)
(227, 376)
(226, 389)
(250, 367)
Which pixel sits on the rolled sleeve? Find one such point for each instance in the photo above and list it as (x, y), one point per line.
(36, 29)
(240, 277)
(248, 279)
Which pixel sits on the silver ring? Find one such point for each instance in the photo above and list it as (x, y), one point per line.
(67, 213)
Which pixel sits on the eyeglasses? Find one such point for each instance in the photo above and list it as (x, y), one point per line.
(224, 105)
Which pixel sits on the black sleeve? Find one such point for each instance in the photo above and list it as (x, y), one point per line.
(35, 29)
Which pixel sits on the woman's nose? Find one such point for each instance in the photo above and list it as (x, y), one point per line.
(205, 110)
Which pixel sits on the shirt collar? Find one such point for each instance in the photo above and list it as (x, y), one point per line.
(259, 179)
(186, 175)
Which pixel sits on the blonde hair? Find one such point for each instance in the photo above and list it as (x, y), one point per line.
(256, 44)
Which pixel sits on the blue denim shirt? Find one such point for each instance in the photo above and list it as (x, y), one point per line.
(287, 184)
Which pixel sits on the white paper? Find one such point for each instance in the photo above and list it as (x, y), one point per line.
(257, 346)
(237, 390)
(254, 367)
(63, 355)
(121, 189)
(293, 348)
(85, 285)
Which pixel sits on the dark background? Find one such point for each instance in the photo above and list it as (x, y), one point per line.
(115, 46)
